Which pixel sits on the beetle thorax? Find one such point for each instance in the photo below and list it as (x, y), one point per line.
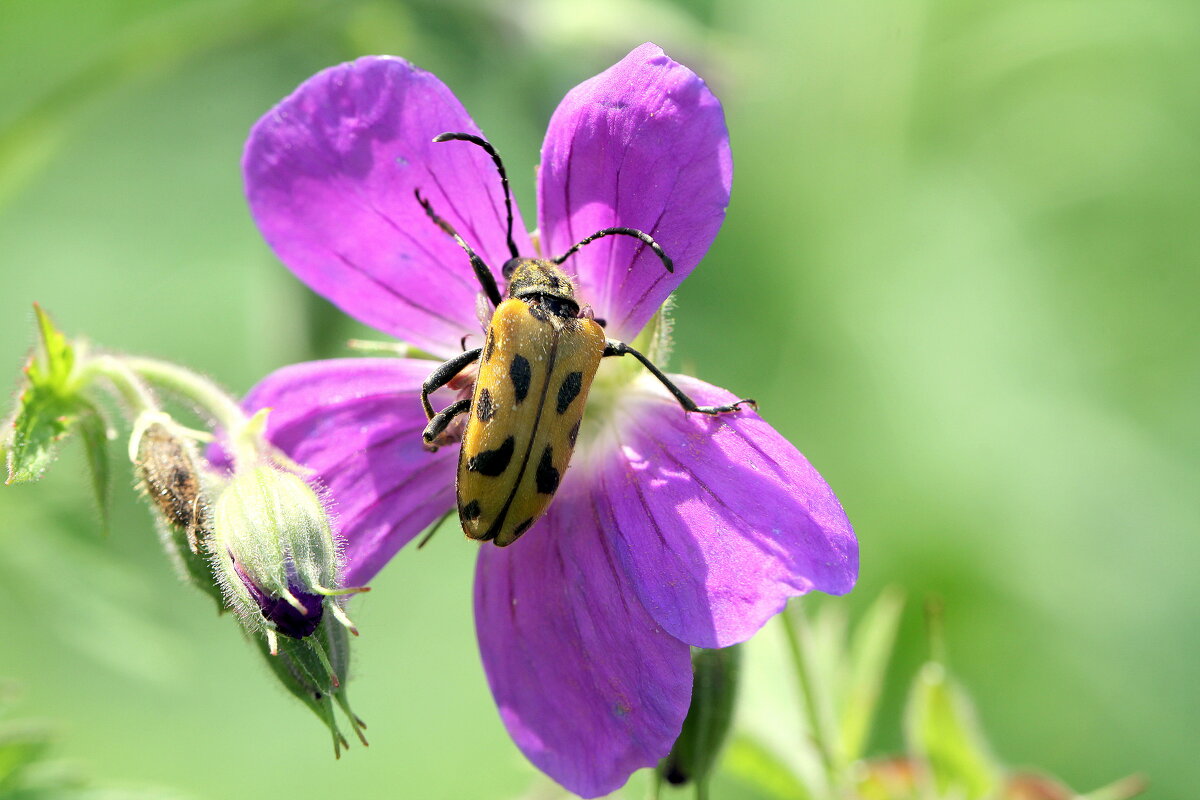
(541, 283)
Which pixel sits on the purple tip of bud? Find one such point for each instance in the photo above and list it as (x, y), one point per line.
(287, 619)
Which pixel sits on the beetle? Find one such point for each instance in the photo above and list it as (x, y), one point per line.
(537, 363)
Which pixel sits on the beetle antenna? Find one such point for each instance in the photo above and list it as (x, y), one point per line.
(634, 232)
(491, 151)
(486, 279)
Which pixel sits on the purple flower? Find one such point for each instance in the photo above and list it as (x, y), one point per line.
(670, 529)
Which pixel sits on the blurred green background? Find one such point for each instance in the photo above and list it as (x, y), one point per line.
(959, 270)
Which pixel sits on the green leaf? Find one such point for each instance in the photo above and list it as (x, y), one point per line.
(94, 432)
(42, 420)
(20, 746)
(48, 406)
(942, 732)
(749, 760)
(870, 653)
(54, 356)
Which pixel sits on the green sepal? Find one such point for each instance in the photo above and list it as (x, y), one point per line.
(943, 733)
(94, 432)
(714, 694)
(299, 668)
(48, 405)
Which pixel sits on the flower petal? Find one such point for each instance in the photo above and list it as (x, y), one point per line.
(719, 519)
(588, 685)
(330, 174)
(357, 423)
(641, 145)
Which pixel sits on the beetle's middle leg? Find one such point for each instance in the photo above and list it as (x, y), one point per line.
(440, 377)
(615, 348)
(441, 420)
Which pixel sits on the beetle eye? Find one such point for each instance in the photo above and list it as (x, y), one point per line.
(509, 266)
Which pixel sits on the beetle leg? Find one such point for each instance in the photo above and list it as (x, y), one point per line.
(615, 348)
(444, 374)
(442, 420)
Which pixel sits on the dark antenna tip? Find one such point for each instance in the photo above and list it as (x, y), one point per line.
(641, 236)
(451, 136)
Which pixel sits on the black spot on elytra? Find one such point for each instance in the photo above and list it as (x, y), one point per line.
(569, 390)
(470, 511)
(489, 347)
(547, 475)
(485, 409)
(492, 462)
(524, 526)
(521, 375)
(574, 434)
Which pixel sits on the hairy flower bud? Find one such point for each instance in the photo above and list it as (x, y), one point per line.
(275, 555)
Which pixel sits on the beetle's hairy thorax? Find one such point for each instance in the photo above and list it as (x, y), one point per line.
(546, 288)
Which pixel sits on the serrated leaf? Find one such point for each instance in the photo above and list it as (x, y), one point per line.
(43, 419)
(94, 432)
(54, 357)
(943, 733)
(870, 653)
(750, 761)
(48, 406)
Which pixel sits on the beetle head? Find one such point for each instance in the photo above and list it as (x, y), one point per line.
(541, 282)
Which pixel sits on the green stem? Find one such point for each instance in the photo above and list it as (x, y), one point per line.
(656, 782)
(127, 384)
(792, 619)
(195, 387)
(209, 397)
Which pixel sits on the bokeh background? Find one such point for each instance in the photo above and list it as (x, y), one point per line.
(959, 270)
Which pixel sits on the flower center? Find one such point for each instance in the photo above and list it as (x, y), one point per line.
(617, 394)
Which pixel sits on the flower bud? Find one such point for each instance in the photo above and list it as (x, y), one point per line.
(714, 690)
(166, 465)
(170, 476)
(275, 555)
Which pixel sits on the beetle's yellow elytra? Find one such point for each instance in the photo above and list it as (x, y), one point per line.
(535, 372)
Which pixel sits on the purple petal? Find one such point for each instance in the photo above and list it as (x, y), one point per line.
(588, 685)
(641, 145)
(357, 423)
(720, 519)
(330, 174)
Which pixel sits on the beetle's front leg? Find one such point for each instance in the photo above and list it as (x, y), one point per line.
(441, 377)
(615, 348)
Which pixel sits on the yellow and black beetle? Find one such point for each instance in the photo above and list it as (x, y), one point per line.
(538, 361)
